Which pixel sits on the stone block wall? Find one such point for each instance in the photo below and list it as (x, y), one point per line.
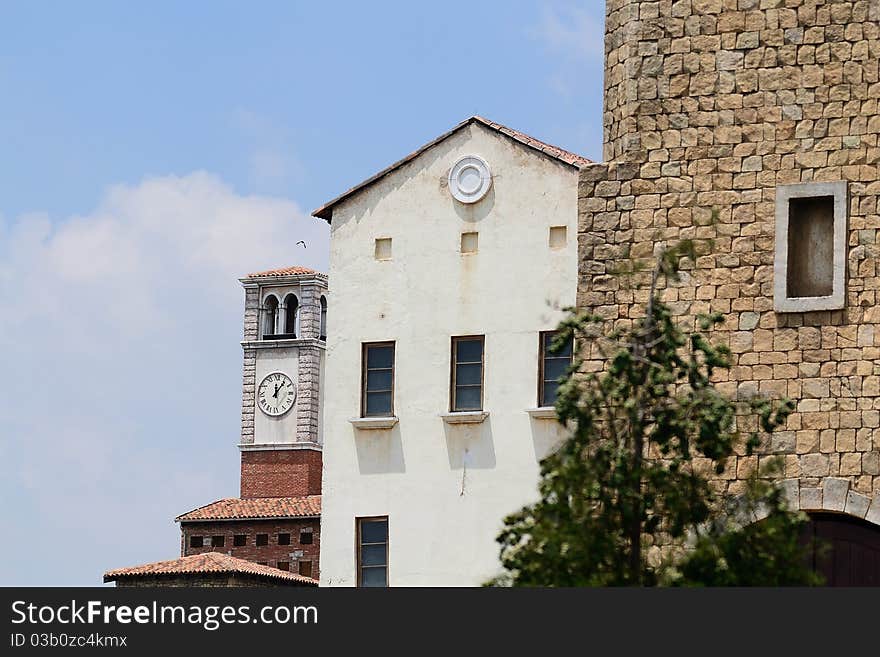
(309, 411)
(249, 369)
(709, 105)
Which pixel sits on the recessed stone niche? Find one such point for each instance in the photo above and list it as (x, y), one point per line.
(810, 247)
(810, 261)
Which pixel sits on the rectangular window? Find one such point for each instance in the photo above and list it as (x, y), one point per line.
(811, 242)
(306, 537)
(262, 539)
(239, 540)
(283, 539)
(218, 541)
(283, 565)
(372, 551)
(196, 541)
(305, 568)
(377, 379)
(467, 373)
(551, 366)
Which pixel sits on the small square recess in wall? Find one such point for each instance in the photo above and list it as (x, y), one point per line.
(383, 248)
(809, 268)
(469, 242)
(558, 237)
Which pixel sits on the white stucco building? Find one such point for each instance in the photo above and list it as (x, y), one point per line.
(445, 269)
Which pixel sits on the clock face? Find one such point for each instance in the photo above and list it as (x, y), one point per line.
(276, 394)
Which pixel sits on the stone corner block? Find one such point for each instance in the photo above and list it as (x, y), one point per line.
(811, 499)
(791, 493)
(594, 172)
(873, 514)
(834, 492)
(857, 504)
(761, 512)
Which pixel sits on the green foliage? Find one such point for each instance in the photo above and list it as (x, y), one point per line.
(647, 430)
(754, 542)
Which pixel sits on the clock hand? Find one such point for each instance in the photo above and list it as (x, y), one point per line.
(277, 387)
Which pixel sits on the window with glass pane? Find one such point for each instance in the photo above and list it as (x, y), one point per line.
(372, 551)
(378, 380)
(553, 365)
(467, 373)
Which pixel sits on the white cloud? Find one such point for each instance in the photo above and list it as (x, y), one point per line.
(575, 36)
(271, 162)
(119, 332)
(272, 168)
(571, 31)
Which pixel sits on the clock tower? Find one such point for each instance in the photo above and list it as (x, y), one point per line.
(276, 521)
(285, 329)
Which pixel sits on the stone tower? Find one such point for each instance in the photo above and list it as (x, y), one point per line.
(285, 330)
(765, 112)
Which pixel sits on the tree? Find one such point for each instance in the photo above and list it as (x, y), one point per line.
(647, 432)
(736, 549)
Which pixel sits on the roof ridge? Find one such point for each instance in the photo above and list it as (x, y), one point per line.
(291, 270)
(236, 508)
(567, 157)
(529, 140)
(199, 508)
(206, 562)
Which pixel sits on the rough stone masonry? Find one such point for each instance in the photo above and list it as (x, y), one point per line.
(709, 106)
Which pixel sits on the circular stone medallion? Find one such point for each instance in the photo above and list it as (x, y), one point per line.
(469, 179)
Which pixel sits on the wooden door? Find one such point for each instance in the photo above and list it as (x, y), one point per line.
(846, 550)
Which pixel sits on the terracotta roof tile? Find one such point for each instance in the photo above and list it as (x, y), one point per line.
(572, 159)
(283, 271)
(258, 507)
(206, 563)
(553, 151)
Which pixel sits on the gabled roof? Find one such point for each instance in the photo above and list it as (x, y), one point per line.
(208, 563)
(566, 157)
(283, 271)
(308, 506)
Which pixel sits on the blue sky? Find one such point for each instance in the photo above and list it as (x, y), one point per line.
(151, 154)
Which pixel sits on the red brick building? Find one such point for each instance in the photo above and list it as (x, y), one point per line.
(281, 532)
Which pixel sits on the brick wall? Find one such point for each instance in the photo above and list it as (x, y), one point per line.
(710, 104)
(280, 473)
(269, 554)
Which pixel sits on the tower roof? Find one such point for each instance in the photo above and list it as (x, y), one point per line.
(207, 563)
(294, 270)
(308, 506)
